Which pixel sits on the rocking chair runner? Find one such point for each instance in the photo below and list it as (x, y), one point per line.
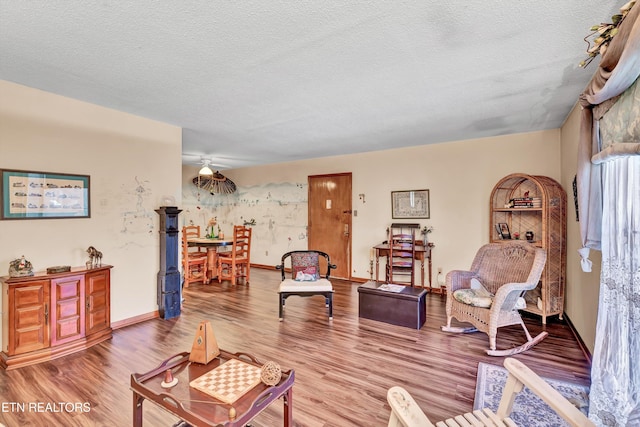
(507, 270)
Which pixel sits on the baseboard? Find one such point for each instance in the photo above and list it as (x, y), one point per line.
(581, 343)
(264, 266)
(135, 319)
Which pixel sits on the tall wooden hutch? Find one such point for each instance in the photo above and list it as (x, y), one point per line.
(535, 204)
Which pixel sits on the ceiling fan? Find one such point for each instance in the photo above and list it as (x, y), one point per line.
(200, 159)
(213, 182)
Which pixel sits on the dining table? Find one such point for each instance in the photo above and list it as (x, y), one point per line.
(213, 246)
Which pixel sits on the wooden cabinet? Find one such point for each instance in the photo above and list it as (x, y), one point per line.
(98, 297)
(67, 309)
(537, 205)
(28, 319)
(46, 316)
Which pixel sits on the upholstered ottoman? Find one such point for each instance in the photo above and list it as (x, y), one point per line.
(405, 308)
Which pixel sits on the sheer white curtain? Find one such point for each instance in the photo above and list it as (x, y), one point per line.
(609, 196)
(615, 372)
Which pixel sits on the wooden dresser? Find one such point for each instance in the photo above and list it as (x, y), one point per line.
(46, 316)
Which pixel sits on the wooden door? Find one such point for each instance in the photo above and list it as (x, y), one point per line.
(330, 219)
(98, 301)
(28, 317)
(67, 309)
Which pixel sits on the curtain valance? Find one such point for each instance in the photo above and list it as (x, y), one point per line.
(619, 68)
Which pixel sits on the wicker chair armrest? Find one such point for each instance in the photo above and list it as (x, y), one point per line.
(459, 279)
(508, 294)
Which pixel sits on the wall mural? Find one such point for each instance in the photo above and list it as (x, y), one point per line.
(138, 219)
(277, 212)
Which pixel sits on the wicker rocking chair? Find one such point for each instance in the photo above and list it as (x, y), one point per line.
(506, 270)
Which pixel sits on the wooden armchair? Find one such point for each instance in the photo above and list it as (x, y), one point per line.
(506, 270)
(194, 260)
(307, 279)
(405, 412)
(236, 263)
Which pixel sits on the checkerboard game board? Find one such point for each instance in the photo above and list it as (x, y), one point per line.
(229, 381)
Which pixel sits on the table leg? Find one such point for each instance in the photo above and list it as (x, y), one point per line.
(377, 262)
(288, 407)
(422, 273)
(137, 409)
(431, 274)
(212, 264)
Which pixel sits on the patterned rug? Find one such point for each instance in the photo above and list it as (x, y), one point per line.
(528, 409)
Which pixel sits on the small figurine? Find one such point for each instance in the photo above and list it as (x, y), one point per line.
(169, 380)
(20, 267)
(95, 257)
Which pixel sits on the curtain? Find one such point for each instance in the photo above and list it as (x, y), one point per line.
(618, 69)
(615, 372)
(609, 202)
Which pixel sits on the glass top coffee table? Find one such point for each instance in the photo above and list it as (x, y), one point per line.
(201, 409)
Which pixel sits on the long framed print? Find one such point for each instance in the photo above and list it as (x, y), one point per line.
(410, 204)
(32, 195)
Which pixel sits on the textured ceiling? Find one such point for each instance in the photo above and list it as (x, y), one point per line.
(257, 82)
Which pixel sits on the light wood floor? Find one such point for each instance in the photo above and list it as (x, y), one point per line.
(343, 368)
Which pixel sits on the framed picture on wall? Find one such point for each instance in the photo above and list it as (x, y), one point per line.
(410, 204)
(36, 195)
(504, 230)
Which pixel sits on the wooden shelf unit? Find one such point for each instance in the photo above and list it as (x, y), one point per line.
(46, 316)
(549, 227)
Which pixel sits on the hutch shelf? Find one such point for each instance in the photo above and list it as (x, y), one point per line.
(535, 204)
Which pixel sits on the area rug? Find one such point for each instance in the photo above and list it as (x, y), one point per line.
(528, 409)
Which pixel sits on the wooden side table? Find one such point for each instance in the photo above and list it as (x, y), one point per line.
(422, 253)
(201, 409)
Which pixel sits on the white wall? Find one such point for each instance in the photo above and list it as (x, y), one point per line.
(133, 163)
(459, 175)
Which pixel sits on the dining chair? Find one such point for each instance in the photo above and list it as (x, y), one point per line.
(193, 232)
(401, 260)
(236, 263)
(194, 259)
